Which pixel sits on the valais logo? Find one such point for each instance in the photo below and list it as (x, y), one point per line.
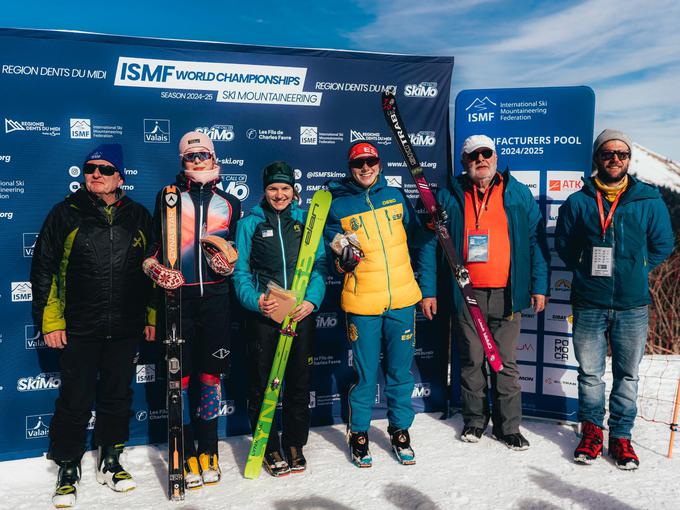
(477, 111)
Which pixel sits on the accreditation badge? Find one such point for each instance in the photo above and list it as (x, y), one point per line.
(478, 245)
(602, 261)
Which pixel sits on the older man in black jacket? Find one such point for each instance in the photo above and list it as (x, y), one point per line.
(90, 297)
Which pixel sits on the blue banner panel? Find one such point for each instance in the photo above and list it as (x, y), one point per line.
(63, 93)
(544, 136)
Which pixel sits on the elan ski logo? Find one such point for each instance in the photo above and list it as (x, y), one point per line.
(41, 382)
(477, 111)
(422, 89)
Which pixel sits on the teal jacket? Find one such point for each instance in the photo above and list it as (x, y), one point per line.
(529, 268)
(640, 235)
(268, 244)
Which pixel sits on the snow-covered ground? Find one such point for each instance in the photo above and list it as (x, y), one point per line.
(655, 169)
(449, 473)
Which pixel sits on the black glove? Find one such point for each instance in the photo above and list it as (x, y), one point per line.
(348, 260)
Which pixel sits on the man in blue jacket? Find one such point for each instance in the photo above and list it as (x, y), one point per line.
(611, 234)
(496, 225)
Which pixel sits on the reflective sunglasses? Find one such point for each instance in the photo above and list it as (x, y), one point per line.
(486, 154)
(189, 157)
(359, 163)
(107, 170)
(607, 155)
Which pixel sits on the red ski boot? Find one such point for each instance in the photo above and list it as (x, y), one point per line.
(623, 453)
(590, 447)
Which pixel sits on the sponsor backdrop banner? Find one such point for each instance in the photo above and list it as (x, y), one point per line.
(64, 93)
(544, 135)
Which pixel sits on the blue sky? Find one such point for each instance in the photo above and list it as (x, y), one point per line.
(628, 51)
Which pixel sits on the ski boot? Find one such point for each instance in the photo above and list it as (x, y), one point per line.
(471, 434)
(192, 473)
(109, 470)
(515, 441)
(296, 460)
(67, 484)
(275, 465)
(358, 449)
(401, 446)
(210, 468)
(590, 446)
(623, 453)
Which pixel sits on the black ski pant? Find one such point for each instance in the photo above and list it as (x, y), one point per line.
(93, 371)
(506, 394)
(263, 336)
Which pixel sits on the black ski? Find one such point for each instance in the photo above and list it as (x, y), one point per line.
(171, 238)
(389, 104)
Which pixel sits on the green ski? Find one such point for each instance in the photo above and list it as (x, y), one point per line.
(316, 219)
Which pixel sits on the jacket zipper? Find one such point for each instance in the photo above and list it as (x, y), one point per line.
(199, 252)
(110, 274)
(283, 252)
(382, 243)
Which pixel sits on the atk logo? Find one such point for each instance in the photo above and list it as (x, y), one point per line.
(81, 129)
(218, 132)
(394, 181)
(235, 185)
(421, 390)
(326, 320)
(33, 338)
(156, 131)
(312, 399)
(423, 139)
(564, 185)
(21, 291)
(146, 373)
(29, 240)
(422, 89)
(40, 382)
(309, 135)
(38, 425)
(478, 110)
(227, 408)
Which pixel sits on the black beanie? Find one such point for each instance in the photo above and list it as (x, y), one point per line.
(278, 171)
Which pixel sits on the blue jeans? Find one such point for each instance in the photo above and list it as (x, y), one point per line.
(627, 331)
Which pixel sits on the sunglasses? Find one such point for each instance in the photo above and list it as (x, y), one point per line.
(189, 157)
(607, 155)
(474, 155)
(359, 163)
(107, 170)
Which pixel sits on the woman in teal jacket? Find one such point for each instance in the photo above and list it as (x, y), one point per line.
(268, 241)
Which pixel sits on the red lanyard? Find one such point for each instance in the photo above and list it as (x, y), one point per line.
(485, 199)
(605, 223)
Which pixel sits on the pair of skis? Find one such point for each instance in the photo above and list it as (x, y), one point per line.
(389, 104)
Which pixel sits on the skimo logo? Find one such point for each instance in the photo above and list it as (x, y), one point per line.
(227, 408)
(44, 381)
(33, 337)
(394, 181)
(326, 320)
(156, 131)
(422, 89)
(423, 139)
(218, 132)
(22, 291)
(81, 129)
(29, 238)
(421, 390)
(38, 425)
(478, 110)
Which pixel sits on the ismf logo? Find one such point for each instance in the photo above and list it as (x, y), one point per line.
(22, 291)
(218, 132)
(422, 89)
(156, 131)
(309, 135)
(81, 129)
(478, 111)
(33, 338)
(38, 425)
(146, 374)
(394, 181)
(29, 238)
(421, 390)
